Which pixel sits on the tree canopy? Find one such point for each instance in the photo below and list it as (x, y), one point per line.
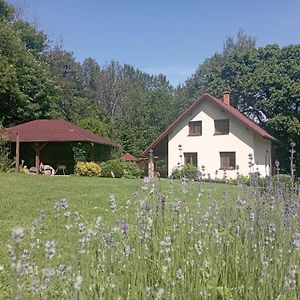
(132, 107)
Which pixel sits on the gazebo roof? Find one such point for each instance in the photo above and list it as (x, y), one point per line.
(128, 157)
(57, 130)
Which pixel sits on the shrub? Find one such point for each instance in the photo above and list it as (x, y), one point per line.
(283, 180)
(113, 168)
(131, 170)
(88, 169)
(241, 179)
(80, 151)
(119, 168)
(6, 163)
(188, 171)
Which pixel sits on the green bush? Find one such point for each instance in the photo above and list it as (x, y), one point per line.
(283, 180)
(188, 171)
(88, 169)
(131, 170)
(241, 179)
(113, 168)
(119, 168)
(6, 164)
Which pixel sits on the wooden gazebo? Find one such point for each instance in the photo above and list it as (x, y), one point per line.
(53, 137)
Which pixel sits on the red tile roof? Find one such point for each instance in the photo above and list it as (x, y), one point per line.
(128, 157)
(227, 108)
(54, 131)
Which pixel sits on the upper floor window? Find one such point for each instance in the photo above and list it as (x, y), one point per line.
(195, 128)
(222, 126)
(227, 160)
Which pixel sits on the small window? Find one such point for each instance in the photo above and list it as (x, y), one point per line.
(195, 128)
(222, 126)
(227, 160)
(190, 158)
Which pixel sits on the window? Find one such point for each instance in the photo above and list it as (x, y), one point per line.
(227, 160)
(190, 158)
(222, 126)
(195, 128)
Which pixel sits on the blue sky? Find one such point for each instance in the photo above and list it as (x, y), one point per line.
(162, 36)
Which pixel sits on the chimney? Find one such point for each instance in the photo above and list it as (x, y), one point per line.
(226, 98)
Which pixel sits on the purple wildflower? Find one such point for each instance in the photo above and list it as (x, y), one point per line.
(124, 228)
(18, 234)
(50, 248)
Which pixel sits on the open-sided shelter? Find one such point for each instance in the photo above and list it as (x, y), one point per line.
(53, 142)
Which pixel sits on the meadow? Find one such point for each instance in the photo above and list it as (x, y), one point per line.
(97, 238)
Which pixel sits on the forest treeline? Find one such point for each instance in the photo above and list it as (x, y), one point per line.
(119, 101)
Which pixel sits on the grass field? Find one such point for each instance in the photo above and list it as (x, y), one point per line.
(126, 239)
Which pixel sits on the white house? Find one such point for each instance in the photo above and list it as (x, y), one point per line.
(214, 134)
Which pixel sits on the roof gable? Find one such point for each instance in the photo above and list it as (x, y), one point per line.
(233, 112)
(54, 131)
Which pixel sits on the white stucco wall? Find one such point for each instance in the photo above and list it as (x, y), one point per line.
(208, 146)
(262, 155)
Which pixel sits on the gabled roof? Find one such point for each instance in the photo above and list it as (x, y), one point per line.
(219, 103)
(128, 157)
(54, 131)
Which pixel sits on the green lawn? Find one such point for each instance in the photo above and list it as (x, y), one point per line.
(23, 196)
(173, 240)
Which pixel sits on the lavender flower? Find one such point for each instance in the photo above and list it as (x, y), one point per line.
(78, 282)
(290, 280)
(296, 244)
(112, 202)
(62, 204)
(148, 291)
(124, 228)
(179, 274)
(159, 293)
(50, 248)
(35, 285)
(49, 272)
(69, 226)
(18, 234)
(147, 206)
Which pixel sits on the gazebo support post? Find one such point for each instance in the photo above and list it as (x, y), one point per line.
(93, 152)
(17, 152)
(37, 147)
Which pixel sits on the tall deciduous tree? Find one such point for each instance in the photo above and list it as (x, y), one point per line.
(26, 87)
(71, 103)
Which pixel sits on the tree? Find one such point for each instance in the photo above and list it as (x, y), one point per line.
(71, 103)
(147, 114)
(26, 88)
(34, 40)
(6, 11)
(97, 124)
